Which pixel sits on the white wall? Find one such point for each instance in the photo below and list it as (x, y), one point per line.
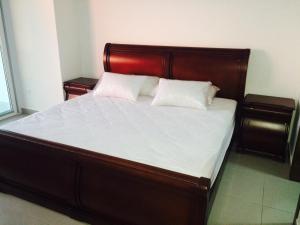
(67, 20)
(55, 40)
(34, 51)
(270, 28)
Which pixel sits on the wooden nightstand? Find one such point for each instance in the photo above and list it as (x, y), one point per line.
(295, 167)
(265, 125)
(78, 86)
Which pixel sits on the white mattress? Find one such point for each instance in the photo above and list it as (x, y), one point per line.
(184, 140)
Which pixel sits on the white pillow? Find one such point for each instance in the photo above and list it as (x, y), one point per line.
(150, 86)
(120, 86)
(182, 93)
(212, 91)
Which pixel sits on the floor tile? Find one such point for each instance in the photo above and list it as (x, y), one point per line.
(234, 211)
(238, 166)
(281, 193)
(261, 166)
(272, 216)
(15, 211)
(245, 187)
(243, 183)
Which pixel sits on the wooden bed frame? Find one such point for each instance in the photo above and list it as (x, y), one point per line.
(97, 188)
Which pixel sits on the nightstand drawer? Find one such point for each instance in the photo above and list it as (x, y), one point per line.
(269, 114)
(79, 86)
(75, 90)
(266, 137)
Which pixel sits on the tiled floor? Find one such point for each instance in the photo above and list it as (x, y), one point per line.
(253, 190)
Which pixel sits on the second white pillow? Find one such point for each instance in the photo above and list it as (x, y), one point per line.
(212, 91)
(182, 93)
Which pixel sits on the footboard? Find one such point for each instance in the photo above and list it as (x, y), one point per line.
(95, 187)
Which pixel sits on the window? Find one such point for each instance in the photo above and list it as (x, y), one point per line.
(7, 98)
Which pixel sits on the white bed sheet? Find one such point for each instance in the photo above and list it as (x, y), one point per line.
(184, 140)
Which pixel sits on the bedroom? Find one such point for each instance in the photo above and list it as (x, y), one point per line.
(53, 41)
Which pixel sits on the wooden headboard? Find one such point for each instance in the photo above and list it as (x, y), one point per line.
(226, 68)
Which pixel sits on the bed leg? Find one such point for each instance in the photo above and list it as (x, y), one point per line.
(202, 204)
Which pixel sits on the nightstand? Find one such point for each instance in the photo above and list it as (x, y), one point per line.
(265, 125)
(295, 167)
(78, 86)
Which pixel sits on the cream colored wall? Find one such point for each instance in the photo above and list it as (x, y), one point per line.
(66, 15)
(270, 28)
(55, 40)
(34, 51)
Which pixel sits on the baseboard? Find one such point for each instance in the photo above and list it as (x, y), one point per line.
(28, 111)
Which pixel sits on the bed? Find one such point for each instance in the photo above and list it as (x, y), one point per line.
(71, 158)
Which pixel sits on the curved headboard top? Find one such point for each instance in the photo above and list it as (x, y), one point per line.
(225, 68)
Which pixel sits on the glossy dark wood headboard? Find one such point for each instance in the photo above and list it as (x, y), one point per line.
(226, 68)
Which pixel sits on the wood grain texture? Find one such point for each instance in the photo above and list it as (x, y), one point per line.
(265, 125)
(78, 86)
(295, 167)
(226, 68)
(99, 188)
